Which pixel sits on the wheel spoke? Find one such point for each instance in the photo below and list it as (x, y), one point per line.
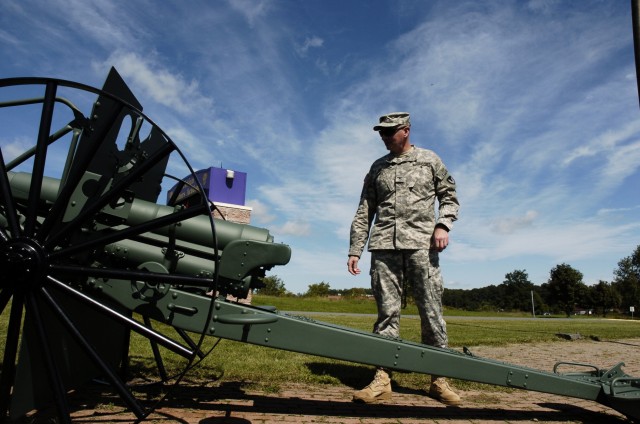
(112, 376)
(40, 158)
(156, 353)
(10, 352)
(113, 194)
(5, 296)
(30, 152)
(55, 380)
(7, 200)
(192, 344)
(131, 323)
(81, 162)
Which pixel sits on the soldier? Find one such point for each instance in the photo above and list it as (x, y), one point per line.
(400, 190)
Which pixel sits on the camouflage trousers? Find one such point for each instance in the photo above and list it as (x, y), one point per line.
(393, 271)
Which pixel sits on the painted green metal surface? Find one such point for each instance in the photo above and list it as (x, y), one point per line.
(255, 325)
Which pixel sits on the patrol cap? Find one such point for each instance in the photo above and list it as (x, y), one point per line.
(391, 120)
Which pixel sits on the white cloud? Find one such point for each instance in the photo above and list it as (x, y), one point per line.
(252, 10)
(260, 213)
(543, 6)
(11, 149)
(160, 84)
(533, 107)
(309, 42)
(9, 39)
(104, 22)
(293, 228)
(509, 225)
(612, 211)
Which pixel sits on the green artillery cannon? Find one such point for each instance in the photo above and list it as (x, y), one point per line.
(88, 256)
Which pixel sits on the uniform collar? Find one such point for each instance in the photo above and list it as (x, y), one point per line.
(408, 156)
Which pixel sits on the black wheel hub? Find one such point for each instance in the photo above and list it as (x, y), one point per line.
(22, 261)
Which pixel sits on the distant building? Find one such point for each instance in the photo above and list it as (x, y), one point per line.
(226, 188)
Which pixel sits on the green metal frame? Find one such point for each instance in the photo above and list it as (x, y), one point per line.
(83, 253)
(264, 327)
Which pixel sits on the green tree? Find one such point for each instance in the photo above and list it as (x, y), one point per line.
(605, 297)
(584, 297)
(273, 286)
(355, 292)
(564, 286)
(516, 291)
(627, 279)
(321, 289)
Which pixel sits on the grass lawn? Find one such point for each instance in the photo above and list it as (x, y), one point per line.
(234, 361)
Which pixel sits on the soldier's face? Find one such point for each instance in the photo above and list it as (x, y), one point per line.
(395, 140)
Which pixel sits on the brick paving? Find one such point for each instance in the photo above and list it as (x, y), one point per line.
(237, 403)
(231, 403)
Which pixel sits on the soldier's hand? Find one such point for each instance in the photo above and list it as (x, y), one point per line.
(352, 265)
(440, 239)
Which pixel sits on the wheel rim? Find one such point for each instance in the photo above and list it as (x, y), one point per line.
(51, 251)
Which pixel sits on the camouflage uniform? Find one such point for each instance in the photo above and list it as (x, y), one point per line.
(400, 192)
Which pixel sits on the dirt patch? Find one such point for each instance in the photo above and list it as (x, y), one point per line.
(242, 403)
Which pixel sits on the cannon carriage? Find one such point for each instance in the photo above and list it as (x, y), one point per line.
(89, 256)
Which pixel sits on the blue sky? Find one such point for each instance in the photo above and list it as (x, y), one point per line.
(532, 105)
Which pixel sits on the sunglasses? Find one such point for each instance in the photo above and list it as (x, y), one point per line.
(388, 132)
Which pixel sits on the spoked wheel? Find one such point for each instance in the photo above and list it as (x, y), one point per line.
(80, 228)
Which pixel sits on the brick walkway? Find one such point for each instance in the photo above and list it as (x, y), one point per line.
(235, 403)
(232, 404)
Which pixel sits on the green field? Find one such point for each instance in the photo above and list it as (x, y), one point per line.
(270, 368)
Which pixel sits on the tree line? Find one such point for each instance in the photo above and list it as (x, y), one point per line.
(564, 292)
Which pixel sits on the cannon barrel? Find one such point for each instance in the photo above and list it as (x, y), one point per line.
(243, 251)
(196, 230)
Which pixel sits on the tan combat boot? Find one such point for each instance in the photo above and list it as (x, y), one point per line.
(441, 391)
(378, 389)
